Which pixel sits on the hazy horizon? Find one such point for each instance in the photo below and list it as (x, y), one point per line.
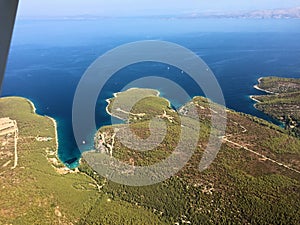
(115, 8)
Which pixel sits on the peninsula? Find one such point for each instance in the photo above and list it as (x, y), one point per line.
(282, 101)
(254, 163)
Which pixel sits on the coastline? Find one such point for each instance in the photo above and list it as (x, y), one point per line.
(33, 108)
(254, 99)
(260, 89)
(54, 163)
(256, 86)
(32, 105)
(56, 134)
(109, 113)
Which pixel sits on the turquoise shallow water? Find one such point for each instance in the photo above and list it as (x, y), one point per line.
(48, 58)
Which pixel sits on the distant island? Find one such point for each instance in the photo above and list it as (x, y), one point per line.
(283, 13)
(291, 13)
(282, 101)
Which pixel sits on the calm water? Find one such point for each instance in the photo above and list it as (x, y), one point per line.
(48, 58)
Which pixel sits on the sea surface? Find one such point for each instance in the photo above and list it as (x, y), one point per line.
(48, 58)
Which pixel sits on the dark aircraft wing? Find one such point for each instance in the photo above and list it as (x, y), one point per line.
(8, 10)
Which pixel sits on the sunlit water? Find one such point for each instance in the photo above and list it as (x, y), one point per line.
(48, 58)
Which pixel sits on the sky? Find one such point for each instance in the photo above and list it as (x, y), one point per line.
(61, 8)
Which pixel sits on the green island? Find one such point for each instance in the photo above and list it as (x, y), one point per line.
(282, 101)
(255, 178)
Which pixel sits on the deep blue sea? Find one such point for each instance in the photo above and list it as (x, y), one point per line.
(48, 58)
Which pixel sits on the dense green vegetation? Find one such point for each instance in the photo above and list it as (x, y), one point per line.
(240, 187)
(284, 104)
(35, 193)
(126, 98)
